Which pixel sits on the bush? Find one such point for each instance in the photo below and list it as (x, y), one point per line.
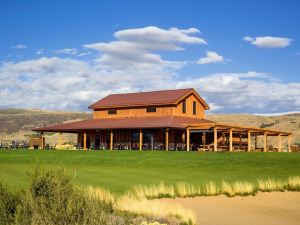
(8, 205)
(52, 199)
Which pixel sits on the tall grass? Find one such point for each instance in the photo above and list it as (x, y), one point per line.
(270, 185)
(155, 208)
(293, 184)
(161, 190)
(237, 188)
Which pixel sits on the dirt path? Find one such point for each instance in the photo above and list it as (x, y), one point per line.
(276, 208)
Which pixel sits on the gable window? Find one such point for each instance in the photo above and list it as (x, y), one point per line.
(184, 106)
(112, 111)
(194, 108)
(151, 109)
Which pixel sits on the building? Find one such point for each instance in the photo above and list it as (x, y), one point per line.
(169, 120)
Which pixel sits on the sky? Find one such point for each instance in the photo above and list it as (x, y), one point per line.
(241, 56)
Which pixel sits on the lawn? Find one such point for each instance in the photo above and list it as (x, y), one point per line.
(120, 170)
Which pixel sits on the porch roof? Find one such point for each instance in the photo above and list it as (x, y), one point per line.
(237, 127)
(126, 123)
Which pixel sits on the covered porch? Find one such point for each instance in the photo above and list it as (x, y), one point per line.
(169, 133)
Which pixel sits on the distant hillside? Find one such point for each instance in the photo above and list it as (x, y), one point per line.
(17, 123)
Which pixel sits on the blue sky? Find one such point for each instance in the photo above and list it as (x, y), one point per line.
(242, 56)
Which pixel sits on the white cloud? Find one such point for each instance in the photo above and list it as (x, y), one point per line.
(40, 51)
(250, 92)
(128, 65)
(269, 42)
(20, 46)
(67, 51)
(134, 47)
(211, 57)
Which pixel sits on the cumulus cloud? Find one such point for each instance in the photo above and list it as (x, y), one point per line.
(132, 64)
(250, 92)
(68, 84)
(20, 46)
(134, 47)
(269, 42)
(211, 57)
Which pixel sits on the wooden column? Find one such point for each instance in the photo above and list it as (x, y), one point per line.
(167, 139)
(59, 140)
(279, 143)
(289, 143)
(230, 140)
(215, 139)
(249, 140)
(188, 139)
(84, 140)
(111, 140)
(265, 141)
(141, 140)
(42, 140)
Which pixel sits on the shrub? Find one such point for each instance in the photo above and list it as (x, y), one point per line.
(52, 199)
(8, 205)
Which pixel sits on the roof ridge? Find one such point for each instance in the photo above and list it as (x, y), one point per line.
(163, 90)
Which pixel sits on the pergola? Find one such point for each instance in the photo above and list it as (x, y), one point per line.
(248, 130)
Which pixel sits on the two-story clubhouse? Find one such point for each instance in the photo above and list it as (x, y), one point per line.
(161, 120)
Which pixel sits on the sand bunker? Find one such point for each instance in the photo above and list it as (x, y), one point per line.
(276, 208)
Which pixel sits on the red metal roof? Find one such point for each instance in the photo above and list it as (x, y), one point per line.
(144, 98)
(125, 123)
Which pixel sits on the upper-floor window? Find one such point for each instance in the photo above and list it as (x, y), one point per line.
(112, 111)
(151, 109)
(194, 108)
(184, 106)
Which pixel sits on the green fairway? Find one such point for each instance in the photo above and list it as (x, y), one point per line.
(120, 170)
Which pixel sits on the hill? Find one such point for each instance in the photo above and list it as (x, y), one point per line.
(17, 123)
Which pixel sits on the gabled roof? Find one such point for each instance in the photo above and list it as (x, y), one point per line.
(126, 123)
(165, 97)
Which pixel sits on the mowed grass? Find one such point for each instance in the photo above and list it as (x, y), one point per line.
(119, 171)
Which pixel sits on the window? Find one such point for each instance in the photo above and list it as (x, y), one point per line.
(194, 108)
(184, 106)
(112, 111)
(151, 109)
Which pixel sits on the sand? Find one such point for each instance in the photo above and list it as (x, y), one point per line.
(276, 208)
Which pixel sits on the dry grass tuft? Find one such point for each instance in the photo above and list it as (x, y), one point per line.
(293, 184)
(210, 189)
(155, 208)
(100, 194)
(237, 188)
(187, 190)
(243, 188)
(270, 185)
(154, 191)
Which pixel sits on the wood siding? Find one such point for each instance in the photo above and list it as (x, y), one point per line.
(160, 110)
